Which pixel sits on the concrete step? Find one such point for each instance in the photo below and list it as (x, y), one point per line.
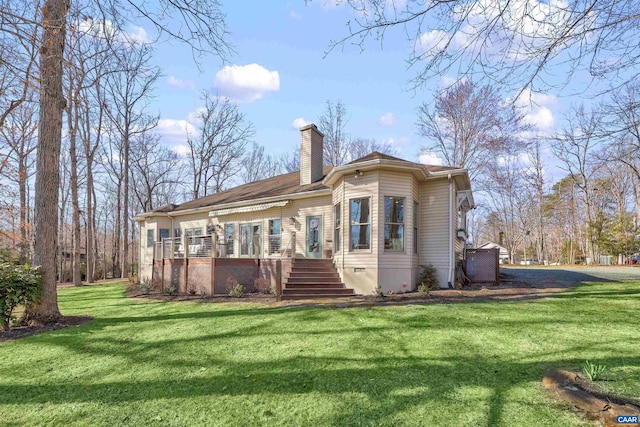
(307, 285)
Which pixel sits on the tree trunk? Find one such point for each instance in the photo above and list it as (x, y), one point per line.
(125, 207)
(72, 118)
(22, 188)
(90, 258)
(52, 103)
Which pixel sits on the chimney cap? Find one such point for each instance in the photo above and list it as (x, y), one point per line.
(311, 126)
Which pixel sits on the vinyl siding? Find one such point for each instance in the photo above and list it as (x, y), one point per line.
(359, 268)
(434, 227)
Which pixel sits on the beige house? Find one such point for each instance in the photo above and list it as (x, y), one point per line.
(373, 221)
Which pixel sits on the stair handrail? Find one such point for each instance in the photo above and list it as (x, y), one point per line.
(287, 251)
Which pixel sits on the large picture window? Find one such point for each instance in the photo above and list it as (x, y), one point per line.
(229, 231)
(337, 237)
(360, 223)
(394, 223)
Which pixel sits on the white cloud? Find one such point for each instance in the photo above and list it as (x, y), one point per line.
(137, 34)
(299, 122)
(430, 158)
(181, 84)
(387, 119)
(181, 150)
(542, 119)
(292, 12)
(245, 83)
(432, 41)
(174, 132)
(537, 109)
(106, 29)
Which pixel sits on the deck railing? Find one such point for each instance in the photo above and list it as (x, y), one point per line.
(188, 246)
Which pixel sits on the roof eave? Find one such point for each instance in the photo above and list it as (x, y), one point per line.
(339, 171)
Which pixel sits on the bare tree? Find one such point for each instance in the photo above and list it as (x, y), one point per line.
(19, 140)
(128, 92)
(575, 147)
(156, 172)
(219, 144)
(470, 126)
(336, 140)
(508, 199)
(18, 66)
(257, 165)
(535, 179)
(290, 162)
(360, 147)
(198, 23)
(520, 44)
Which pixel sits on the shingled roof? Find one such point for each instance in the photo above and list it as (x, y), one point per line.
(280, 185)
(376, 155)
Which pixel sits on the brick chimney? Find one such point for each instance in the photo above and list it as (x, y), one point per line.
(310, 154)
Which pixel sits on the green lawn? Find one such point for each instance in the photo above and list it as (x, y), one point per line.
(474, 364)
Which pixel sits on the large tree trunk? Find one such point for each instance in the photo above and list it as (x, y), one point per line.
(52, 103)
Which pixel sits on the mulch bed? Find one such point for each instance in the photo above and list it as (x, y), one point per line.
(581, 394)
(26, 331)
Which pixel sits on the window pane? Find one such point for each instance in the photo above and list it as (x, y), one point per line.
(149, 238)
(393, 209)
(394, 237)
(244, 240)
(337, 215)
(275, 227)
(164, 233)
(360, 235)
(359, 211)
(229, 231)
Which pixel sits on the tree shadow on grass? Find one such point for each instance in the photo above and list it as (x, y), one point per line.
(377, 389)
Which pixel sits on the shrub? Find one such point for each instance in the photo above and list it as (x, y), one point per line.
(429, 277)
(145, 285)
(592, 371)
(192, 289)
(273, 290)
(170, 288)
(423, 288)
(237, 291)
(19, 285)
(261, 285)
(378, 291)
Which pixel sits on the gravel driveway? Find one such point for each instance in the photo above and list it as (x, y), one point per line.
(566, 276)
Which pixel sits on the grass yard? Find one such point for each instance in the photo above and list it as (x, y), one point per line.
(475, 364)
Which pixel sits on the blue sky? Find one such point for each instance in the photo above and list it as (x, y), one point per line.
(281, 78)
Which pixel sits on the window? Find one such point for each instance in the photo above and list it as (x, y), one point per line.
(150, 238)
(275, 236)
(337, 219)
(177, 232)
(229, 231)
(394, 223)
(197, 231)
(415, 227)
(244, 239)
(164, 234)
(360, 223)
